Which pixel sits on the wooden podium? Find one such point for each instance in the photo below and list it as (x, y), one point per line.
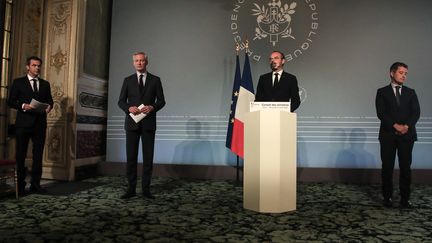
(270, 161)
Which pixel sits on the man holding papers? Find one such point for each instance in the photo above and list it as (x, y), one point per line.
(31, 121)
(141, 96)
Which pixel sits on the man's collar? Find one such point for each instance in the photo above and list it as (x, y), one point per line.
(279, 72)
(31, 78)
(395, 84)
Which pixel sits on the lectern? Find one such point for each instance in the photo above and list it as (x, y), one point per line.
(270, 161)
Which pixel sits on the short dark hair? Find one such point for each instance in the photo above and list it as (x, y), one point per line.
(396, 65)
(283, 55)
(33, 58)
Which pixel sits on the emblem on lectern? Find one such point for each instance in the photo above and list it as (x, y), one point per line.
(274, 21)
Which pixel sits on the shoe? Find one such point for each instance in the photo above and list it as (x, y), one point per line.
(34, 188)
(128, 194)
(388, 202)
(405, 204)
(147, 194)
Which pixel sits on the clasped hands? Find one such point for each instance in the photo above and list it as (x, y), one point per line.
(401, 129)
(146, 109)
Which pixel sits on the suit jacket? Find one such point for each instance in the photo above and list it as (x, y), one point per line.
(408, 112)
(130, 96)
(21, 92)
(285, 90)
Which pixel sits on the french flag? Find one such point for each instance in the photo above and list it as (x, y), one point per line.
(243, 94)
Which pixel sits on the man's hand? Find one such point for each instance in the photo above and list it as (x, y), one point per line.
(27, 107)
(401, 129)
(134, 110)
(48, 109)
(147, 109)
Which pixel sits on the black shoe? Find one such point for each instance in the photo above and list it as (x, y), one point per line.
(34, 188)
(147, 194)
(405, 204)
(128, 194)
(388, 202)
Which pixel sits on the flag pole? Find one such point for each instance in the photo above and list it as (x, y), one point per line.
(238, 159)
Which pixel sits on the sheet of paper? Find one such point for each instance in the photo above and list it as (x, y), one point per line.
(38, 106)
(140, 116)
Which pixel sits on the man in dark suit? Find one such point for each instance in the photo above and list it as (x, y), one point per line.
(30, 123)
(278, 85)
(141, 88)
(398, 109)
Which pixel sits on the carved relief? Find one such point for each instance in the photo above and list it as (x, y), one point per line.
(60, 15)
(58, 60)
(58, 97)
(58, 52)
(54, 148)
(93, 101)
(91, 144)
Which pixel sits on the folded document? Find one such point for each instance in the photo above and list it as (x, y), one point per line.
(38, 106)
(137, 118)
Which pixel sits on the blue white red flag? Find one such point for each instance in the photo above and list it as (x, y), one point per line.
(244, 96)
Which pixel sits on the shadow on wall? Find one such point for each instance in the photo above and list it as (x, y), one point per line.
(352, 154)
(195, 149)
(301, 157)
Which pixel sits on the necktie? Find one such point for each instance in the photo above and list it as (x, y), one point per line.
(141, 83)
(276, 79)
(35, 88)
(398, 94)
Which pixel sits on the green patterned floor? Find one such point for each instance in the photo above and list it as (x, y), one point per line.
(210, 211)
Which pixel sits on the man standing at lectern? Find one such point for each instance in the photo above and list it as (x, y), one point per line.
(398, 109)
(278, 85)
(30, 123)
(140, 88)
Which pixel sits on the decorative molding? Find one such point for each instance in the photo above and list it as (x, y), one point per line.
(59, 105)
(60, 16)
(59, 59)
(59, 48)
(91, 144)
(93, 101)
(54, 147)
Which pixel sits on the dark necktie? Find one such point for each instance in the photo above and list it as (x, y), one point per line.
(35, 88)
(141, 83)
(398, 94)
(276, 79)
(274, 89)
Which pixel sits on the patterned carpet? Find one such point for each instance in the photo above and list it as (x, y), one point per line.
(210, 211)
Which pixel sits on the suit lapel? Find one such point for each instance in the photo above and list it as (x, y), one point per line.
(27, 84)
(147, 81)
(134, 85)
(41, 86)
(281, 79)
(270, 80)
(391, 94)
(403, 92)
